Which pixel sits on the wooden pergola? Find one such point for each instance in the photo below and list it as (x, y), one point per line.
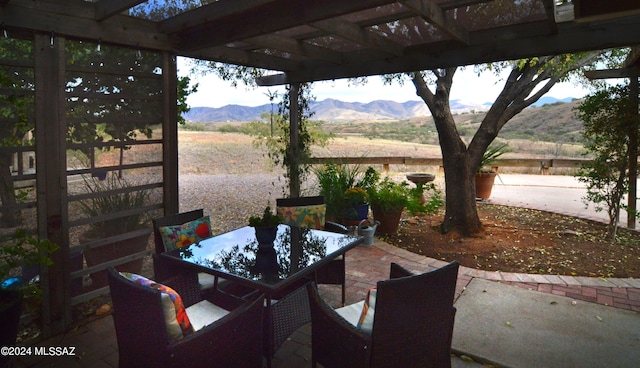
(296, 40)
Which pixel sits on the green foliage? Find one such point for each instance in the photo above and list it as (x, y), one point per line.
(227, 128)
(334, 180)
(608, 115)
(492, 153)
(183, 92)
(194, 127)
(25, 250)
(433, 202)
(389, 195)
(392, 196)
(113, 196)
(268, 219)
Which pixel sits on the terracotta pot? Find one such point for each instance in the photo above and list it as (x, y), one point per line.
(108, 252)
(484, 184)
(389, 220)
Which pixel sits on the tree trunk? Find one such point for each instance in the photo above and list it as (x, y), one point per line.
(461, 214)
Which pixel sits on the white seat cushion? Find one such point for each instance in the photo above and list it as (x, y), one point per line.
(204, 313)
(351, 312)
(205, 280)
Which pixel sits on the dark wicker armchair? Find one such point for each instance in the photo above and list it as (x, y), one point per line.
(164, 269)
(234, 340)
(334, 272)
(412, 326)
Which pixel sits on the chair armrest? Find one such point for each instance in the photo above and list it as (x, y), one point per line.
(164, 269)
(335, 227)
(234, 340)
(336, 342)
(186, 285)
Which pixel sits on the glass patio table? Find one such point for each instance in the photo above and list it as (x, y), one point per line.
(277, 268)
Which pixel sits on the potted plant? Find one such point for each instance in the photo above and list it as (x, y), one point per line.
(356, 207)
(388, 199)
(334, 180)
(19, 252)
(110, 196)
(486, 176)
(266, 226)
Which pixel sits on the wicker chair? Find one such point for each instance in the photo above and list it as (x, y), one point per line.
(164, 269)
(334, 272)
(234, 340)
(412, 326)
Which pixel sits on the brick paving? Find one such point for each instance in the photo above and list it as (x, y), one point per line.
(96, 344)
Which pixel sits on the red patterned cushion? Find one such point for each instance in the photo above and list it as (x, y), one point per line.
(178, 236)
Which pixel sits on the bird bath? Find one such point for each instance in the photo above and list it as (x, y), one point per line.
(420, 179)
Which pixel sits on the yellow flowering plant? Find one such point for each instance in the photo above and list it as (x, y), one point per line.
(355, 195)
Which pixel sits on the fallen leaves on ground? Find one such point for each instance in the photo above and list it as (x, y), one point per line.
(527, 241)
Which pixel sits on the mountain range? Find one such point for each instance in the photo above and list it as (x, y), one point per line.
(336, 110)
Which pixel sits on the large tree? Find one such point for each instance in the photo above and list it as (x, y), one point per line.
(528, 80)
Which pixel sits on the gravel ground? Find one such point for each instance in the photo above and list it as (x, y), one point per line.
(229, 198)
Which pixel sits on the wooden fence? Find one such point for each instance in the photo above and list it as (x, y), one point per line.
(543, 164)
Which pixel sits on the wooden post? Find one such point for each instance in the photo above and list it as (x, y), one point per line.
(170, 133)
(633, 154)
(294, 154)
(53, 224)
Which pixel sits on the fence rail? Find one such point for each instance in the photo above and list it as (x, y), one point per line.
(543, 164)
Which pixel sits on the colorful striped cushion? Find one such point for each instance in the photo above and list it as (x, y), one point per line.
(365, 323)
(175, 315)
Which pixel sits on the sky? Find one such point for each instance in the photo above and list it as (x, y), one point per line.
(467, 87)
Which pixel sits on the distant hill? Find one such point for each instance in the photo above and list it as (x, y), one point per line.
(551, 122)
(330, 110)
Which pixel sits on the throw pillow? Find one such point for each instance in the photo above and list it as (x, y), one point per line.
(175, 315)
(311, 217)
(365, 323)
(178, 236)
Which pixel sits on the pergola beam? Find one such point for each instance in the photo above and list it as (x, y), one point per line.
(260, 21)
(433, 14)
(108, 8)
(296, 47)
(528, 40)
(354, 33)
(80, 23)
(628, 72)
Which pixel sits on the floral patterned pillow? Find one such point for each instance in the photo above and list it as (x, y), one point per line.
(175, 315)
(178, 236)
(311, 217)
